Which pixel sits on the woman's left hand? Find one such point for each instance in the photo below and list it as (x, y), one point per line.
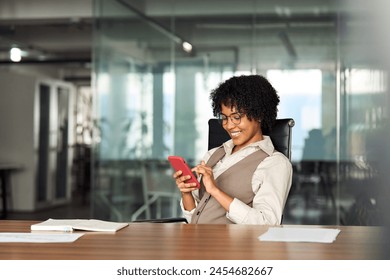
(207, 176)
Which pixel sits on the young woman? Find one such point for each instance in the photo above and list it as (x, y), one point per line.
(244, 181)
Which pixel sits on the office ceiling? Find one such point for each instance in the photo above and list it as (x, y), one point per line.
(267, 33)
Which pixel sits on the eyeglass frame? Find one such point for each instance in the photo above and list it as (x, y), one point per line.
(231, 117)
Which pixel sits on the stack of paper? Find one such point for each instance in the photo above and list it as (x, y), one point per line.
(300, 234)
(28, 237)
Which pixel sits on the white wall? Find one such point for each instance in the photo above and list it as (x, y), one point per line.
(16, 134)
(19, 118)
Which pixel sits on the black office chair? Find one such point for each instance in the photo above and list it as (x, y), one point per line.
(280, 135)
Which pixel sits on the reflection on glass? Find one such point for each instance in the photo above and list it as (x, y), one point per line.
(152, 100)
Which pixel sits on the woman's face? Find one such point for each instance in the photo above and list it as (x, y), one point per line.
(242, 130)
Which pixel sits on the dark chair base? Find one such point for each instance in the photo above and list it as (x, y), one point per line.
(164, 220)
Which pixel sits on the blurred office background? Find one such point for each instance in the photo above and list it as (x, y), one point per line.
(94, 95)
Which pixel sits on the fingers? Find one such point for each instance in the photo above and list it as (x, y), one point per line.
(177, 174)
(186, 187)
(182, 179)
(181, 182)
(202, 169)
(179, 178)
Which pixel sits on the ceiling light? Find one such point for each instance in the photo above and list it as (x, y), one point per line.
(187, 47)
(15, 54)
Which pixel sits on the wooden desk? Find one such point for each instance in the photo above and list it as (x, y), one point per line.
(144, 241)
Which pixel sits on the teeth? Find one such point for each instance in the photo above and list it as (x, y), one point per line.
(235, 134)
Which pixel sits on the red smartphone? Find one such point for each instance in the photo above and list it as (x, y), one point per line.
(178, 163)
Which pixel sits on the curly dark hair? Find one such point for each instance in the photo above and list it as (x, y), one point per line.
(252, 95)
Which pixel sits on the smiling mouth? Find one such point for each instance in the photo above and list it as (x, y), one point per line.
(235, 134)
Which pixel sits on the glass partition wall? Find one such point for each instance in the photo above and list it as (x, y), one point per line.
(155, 63)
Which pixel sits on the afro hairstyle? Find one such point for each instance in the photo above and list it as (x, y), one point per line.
(252, 95)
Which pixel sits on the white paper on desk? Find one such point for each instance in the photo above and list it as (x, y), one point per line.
(299, 234)
(38, 237)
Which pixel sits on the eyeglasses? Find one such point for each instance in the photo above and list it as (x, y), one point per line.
(235, 118)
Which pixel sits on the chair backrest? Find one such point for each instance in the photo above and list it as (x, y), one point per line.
(280, 134)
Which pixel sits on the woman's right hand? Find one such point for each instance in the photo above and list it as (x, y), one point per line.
(181, 184)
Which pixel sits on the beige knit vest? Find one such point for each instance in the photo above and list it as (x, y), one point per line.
(236, 181)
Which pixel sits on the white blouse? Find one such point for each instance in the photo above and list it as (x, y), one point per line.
(271, 183)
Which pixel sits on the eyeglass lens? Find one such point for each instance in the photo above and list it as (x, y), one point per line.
(235, 118)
